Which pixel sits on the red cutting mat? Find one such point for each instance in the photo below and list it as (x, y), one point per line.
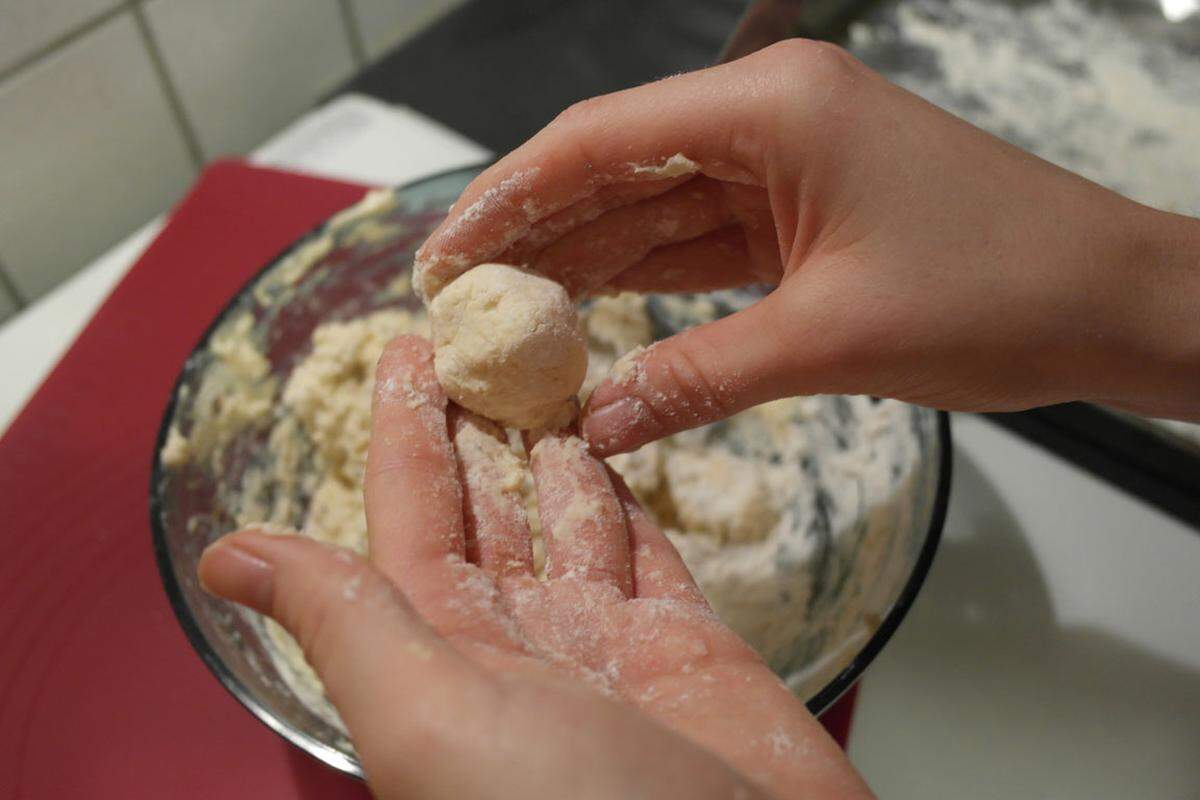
(101, 696)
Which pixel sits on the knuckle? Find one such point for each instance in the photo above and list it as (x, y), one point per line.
(696, 396)
(816, 90)
(788, 50)
(830, 56)
(811, 70)
(406, 465)
(582, 113)
(813, 56)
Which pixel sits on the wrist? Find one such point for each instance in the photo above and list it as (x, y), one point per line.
(1153, 327)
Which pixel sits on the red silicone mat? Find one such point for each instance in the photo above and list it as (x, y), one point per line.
(101, 696)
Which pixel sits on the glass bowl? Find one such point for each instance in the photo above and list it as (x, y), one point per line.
(349, 266)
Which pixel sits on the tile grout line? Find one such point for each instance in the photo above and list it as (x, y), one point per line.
(61, 41)
(9, 286)
(358, 48)
(174, 101)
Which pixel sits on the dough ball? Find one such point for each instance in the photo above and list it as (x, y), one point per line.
(508, 346)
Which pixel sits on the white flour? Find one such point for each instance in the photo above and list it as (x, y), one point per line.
(796, 517)
(1108, 90)
(1095, 91)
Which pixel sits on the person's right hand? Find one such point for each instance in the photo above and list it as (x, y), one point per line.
(917, 257)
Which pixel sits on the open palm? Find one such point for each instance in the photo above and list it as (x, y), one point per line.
(446, 650)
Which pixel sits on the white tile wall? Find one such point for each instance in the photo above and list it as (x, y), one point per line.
(246, 69)
(384, 23)
(108, 107)
(26, 26)
(88, 151)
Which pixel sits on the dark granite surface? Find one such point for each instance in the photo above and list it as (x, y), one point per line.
(498, 70)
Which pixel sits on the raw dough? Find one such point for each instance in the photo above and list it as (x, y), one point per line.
(508, 346)
(787, 514)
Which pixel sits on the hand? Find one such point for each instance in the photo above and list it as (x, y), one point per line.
(459, 674)
(917, 257)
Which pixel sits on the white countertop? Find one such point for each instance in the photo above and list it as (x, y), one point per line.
(1054, 650)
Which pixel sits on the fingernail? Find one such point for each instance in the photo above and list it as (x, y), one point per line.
(613, 427)
(230, 571)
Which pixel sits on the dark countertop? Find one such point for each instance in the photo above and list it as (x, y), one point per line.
(462, 71)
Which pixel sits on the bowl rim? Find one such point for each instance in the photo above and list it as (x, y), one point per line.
(848, 677)
(842, 682)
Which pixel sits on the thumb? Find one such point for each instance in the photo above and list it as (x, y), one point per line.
(701, 375)
(370, 649)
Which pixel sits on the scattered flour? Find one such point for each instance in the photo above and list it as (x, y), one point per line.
(775, 511)
(1110, 90)
(628, 368)
(175, 451)
(1104, 89)
(673, 167)
(432, 273)
(794, 517)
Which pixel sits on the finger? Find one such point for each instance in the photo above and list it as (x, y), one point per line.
(701, 375)
(658, 570)
(424, 719)
(497, 532)
(606, 198)
(677, 126)
(592, 255)
(413, 496)
(358, 632)
(582, 521)
(718, 260)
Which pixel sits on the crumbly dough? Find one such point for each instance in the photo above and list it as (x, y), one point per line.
(508, 346)
(747, 506)
(237, 394)
(328, 397)
(769, 509)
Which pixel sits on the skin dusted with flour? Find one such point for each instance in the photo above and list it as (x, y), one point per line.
(766, 509)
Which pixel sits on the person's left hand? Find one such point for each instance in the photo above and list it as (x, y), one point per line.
(459, 673)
